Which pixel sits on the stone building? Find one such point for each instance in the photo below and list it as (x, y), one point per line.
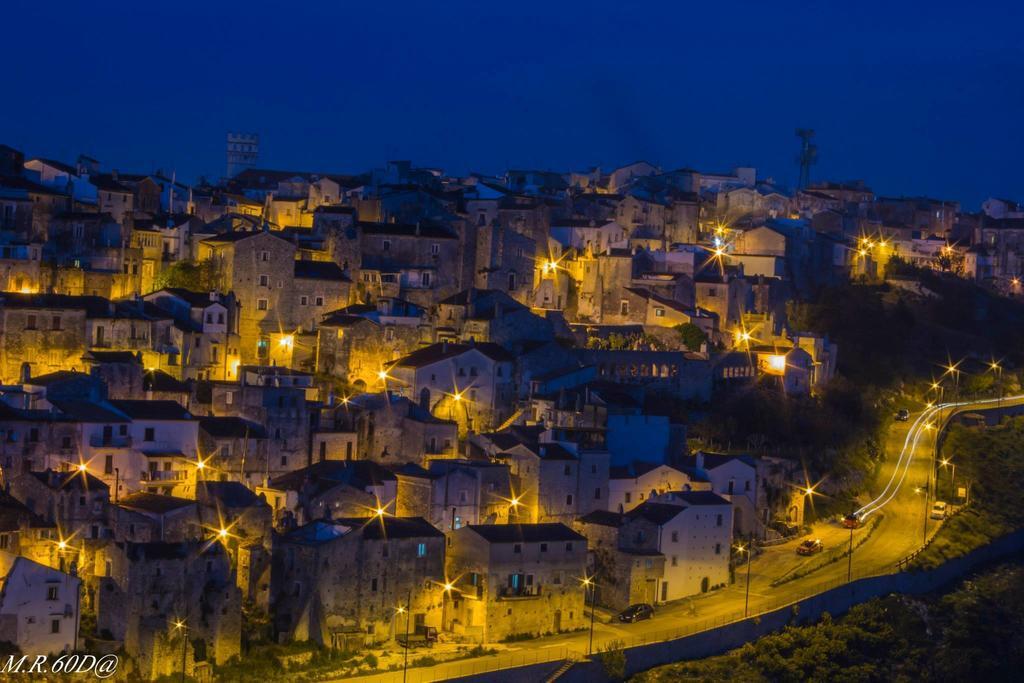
(516, 580)
(340, 582)
(392, 429)
(330, 489)
(144, 589)
(469, 383)
(255, 266)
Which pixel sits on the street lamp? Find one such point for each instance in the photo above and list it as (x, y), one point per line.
(926, 496)
(179, 625)
(746, 598)
(946, 462)
(589, 583)
(408, 618)
(995, 367)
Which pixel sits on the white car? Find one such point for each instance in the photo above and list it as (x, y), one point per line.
(938, 510)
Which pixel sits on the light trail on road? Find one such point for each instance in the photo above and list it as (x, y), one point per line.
(917, 429)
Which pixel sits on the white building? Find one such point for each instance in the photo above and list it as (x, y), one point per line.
(693, 532)
(734, 477)
(471, 384)
(631, 485)
(38, 606)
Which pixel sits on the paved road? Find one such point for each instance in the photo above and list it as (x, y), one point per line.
(901, 529)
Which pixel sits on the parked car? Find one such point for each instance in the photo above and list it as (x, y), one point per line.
(851, 521)
(902, 415)
(637, 612)
(938, 510)
(809, 547)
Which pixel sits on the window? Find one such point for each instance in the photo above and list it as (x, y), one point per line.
(265, 256)
(319, 301)
(568, 470)
(517, 548)
(623, 307)
(659, 312)
(597, 494)
(386, 245)
(718, 549)
(421, 550)
(56, 322)
(150, 434)
(303, 300)
(629, 497)
(108, 464)
(30, 322)
(435, 249)
(51, 592)
(261, 304)
(425, 279)
(568, 499)
(264, 280)
(746, 485)
(675, 536)
(55, 626)
(719, 522)
(675, 561)
(373, 585)
(511, 281)
(568, 547)
(543, 547)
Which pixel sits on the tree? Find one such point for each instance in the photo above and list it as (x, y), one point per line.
(191, 275)
(692, 336)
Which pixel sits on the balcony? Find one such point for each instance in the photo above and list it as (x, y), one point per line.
(98, 441)
(165, 475)
(520, 593)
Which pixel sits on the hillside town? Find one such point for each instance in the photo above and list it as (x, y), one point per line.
(306, 402)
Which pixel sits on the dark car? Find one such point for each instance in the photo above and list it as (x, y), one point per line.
(851, 521)
(902, 415)
(809, 547)
(636, 613)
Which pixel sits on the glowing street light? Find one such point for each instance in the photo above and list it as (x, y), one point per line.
(286, 341)
(746, 549)
(589, 583)
(179, 625)
(222, 533)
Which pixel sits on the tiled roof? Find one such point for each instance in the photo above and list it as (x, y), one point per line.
(525, 533)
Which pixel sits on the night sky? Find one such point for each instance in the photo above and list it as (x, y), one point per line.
(915, 98)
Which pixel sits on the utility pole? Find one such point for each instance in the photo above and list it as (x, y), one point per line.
(408, 617)
(746, 597)
(593, 605)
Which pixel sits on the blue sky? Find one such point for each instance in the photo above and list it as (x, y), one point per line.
(914, 99)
